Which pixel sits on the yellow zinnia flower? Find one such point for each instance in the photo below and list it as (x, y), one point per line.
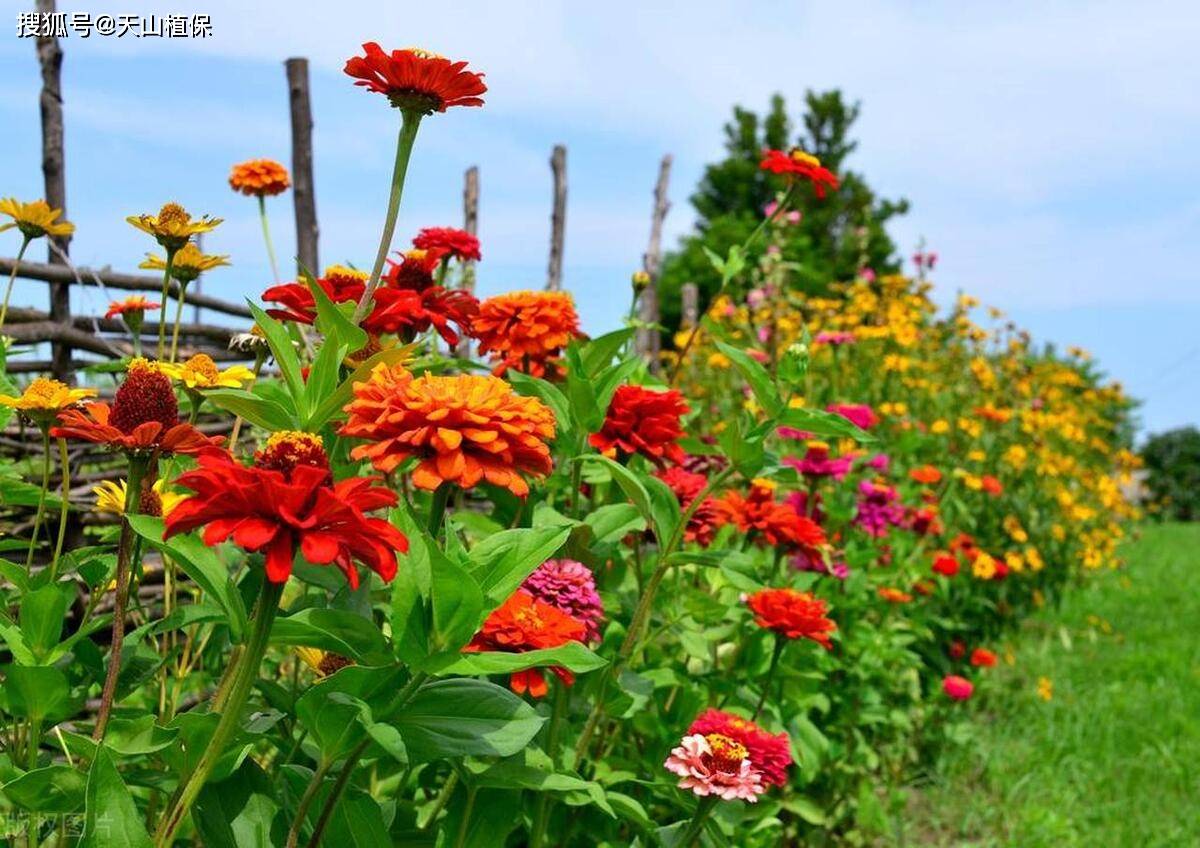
(173, 226)
(110, 497)
(188, 264)
(322, 662)
(34, 219)
(44, 398)
(1045, 688)
(201, 372)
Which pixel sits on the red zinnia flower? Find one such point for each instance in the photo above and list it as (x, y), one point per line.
(991, 485)
(455, 242)
(958, 688)
(143, 418)
(287, 501)
(773, 523)
(416, 79)
(642, 421)
(792, 613)
(798, 165)
(524, 623)
(945, 565)
(983, 658)
(957, 650)
(770, 754)
(687, 486)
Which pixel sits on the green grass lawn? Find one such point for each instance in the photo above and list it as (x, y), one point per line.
(1113, 759)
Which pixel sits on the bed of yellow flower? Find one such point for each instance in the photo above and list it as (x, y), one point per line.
(576, 598)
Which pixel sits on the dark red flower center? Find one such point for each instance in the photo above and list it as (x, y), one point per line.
(146, 395)
(727, 754)
(288, 449)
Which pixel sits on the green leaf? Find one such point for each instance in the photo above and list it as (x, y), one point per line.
(259, 411)
(515, 774)
(340, 632)
(334, 720)
(761, 383)
(460, 717)
(332, 404)
(54, 789)
(457, 603)
(547, 392)
(201, 564)
(613, 522)
(333, 323)
(283, 350)
(824, 424)
(599, 352)
(111, 819)
(42, 614)
(127, 737)
(240, 811)
(572, 655)
(37, 692)
(323, 376)
(631, 484)
(501, 562)
(664, 507)
(581, 393)
(612, 379)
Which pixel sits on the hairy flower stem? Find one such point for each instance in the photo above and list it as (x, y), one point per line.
(65, 470)
(727, 275)
(12, 278)
(696, 826)
(166, 288)
(410, 122)
(262, 214)
(766, 684)
(133, 500)
(178, 320)
(231, 717)
(41, 507)
(641, 615)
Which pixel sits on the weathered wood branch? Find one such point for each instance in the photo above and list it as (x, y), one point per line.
(648, 340)
(558, 218)
(116, 280)
(304, 196)
(689, 294)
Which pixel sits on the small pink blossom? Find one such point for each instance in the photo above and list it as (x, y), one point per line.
(725, 773)
(858, 414)
(817, 462)
(867, 275)
(835, 338)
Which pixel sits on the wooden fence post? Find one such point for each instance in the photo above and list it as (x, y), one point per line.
(558, 218)
(303, 192)
(689, 312)
(471, 225)
(649, 342)
(50, 58)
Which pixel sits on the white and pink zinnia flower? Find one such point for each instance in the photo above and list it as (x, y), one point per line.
(715, 765)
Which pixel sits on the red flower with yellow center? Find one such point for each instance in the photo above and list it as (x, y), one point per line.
(259, 178)
(798, 165)
(456, 243)
(143, 418)
(773, 523)
(524, 623)
(792, 613)
(416, 79)
(134, 303)
(770, 754)
(463, 429)
(286, 502)
(642, 421)
(526, 330)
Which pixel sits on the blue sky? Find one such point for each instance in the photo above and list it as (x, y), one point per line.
(1048, 149)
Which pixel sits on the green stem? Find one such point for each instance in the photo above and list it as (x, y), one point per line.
(696, 825)
(12, 278)
(178, 319)
(133, 499)
(437, 508)
(231, 716)
(410, 122)
(262, 214)
(41, 507)
(464, 826)
(542, 814)
(766, 684)
(162, 309)
(63, 462)
(306, 800)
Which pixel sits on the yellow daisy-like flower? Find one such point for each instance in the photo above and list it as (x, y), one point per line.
(173, 226)
(1045, 688)
(201, 372)
(110, 497)
(188, 264)
(44, 398)
(322, 662)
(984, 567)
(34, 219)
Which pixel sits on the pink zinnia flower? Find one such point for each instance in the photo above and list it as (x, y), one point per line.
(569, 587)
(715, 765)
(880, 462)
(858, 414)
(817, 462)
(958, 688)
(829, 337)
(769, 753)
(879, 508)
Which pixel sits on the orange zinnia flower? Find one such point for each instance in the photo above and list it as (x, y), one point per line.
(991, 485)
(416, 79)
(926, 474)
(525, 330)
(642, 421)
(143, 418)
(774, 523)
(463, 429)
(792, 613)
(894, 596)
(524, 623)
(259, 178)
(983, 658)
(133, 303)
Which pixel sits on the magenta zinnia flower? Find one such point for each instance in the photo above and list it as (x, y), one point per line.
(817, 462)
(715, 765)
(858, 414)
(570, 587)
(879, 508)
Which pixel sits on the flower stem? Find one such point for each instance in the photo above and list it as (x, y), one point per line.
(12, 278)
(41, 507)
(766, 684)
(162, 325)
(696, 825)
(541, 817)
(231, 717)
(262, 214)
(306, 799)
(437, 508)
(410, 122)
(259, 360)
(64, 467)
(133, 499)
(178, 318)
